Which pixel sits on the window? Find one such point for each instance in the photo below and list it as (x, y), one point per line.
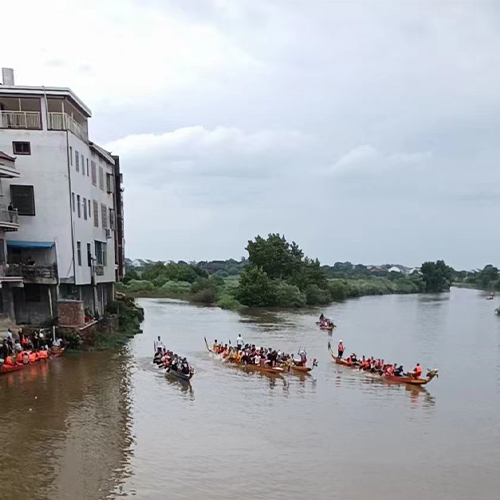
(21, 148)
(94, 173)
(83, 165)
(73, 201)
(78, 209)
(100, 253)
(71, 155)
(88, 172)
(89, 255)
(96, 214)
(77, 161)
(111, 219)
(85, 209)
(104, 215)
(101, 178)
(79, 252)
(109, 183)
(90, 216)
(23, 198)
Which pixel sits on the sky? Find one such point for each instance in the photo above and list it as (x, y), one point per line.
(364, 131)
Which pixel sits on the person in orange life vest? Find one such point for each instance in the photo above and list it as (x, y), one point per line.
(340, 349)
(417, 371)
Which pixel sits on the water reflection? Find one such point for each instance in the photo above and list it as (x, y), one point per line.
(184, 386)
(70, 429)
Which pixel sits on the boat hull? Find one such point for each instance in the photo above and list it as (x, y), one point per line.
(179, 375)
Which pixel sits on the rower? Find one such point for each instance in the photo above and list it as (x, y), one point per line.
(340, 349)
(398, 372)
(417, 371)
(214, 347)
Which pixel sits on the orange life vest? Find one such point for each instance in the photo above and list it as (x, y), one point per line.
(43, 354)
(32, 357)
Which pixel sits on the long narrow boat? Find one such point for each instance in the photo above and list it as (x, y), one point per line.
(325, 328)
(268, 370)
(53, 353)
(179, 375)
(389, 378)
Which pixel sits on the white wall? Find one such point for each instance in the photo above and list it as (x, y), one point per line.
(46, 169)
(84, 230)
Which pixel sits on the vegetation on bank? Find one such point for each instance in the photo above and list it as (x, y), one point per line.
(278, 274)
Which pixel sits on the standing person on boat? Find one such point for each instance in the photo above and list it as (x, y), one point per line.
(417, 371)
(239, 342)
(321, 318)
(340, 349)
(158, 344)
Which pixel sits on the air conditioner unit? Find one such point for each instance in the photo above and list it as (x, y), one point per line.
(108, 233)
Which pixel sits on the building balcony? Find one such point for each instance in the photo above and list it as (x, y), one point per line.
(63, 121)
(38, 274)
(9, 219)
(20, 120)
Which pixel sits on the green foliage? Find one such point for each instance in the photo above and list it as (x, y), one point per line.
(315, 296)
(229, 302)
(338, 290)
(437, 276)
(173, 272)
(289, 295)
(204, 296)
(140, 285)
(131, 274)
(256, 289)
(176, 288)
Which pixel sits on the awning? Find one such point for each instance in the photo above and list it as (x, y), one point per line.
(30, 244)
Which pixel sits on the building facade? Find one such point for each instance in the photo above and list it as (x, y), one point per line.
(62, 190)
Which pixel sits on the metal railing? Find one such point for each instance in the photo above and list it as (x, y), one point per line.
(20, 119)
(33, 272)
(63, 121)
(10, 216)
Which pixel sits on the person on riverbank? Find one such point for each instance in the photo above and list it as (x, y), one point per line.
(340, 349)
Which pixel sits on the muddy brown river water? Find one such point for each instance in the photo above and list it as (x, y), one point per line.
(99, 425)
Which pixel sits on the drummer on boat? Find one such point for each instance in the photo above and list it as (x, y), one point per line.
(340, 349)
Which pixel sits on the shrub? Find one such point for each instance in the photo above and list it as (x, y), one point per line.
(315, 296)
(228, 302)
(205, 296)
(256, 289)
(176, 288)
(289, 295)
(140, 285)
(338, 290)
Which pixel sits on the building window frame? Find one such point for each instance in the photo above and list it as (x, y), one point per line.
(21, 148)
(79, 252)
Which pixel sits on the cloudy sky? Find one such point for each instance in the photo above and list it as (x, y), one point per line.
(365, 131)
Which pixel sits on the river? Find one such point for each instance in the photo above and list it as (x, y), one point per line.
(98, 425)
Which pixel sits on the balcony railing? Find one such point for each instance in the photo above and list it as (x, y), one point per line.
(63, 121)
(33, 273)
(9, 216)
(20, 119)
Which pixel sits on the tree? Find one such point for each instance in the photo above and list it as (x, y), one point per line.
(256, 289)
(437, 276)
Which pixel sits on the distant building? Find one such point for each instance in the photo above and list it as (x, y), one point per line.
(395, 269)
(66, 235)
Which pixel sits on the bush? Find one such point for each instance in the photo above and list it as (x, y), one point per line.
(205, 296)
(256, 289)
(160, 281)
(315, 296)
(228, 302)
(202, 284)
(140, 285)
(289, 295)
(338, 290)
(176, 288)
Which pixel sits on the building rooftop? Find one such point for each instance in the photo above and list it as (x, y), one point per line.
(17, 90)
(5, 156)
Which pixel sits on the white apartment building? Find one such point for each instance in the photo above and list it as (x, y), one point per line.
(58, 240)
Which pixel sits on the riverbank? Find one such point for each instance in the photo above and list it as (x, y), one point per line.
(223, 292)
(121, 322)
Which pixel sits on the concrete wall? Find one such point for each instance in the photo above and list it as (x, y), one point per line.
(84, 230)
(47, 170)
(32, 312)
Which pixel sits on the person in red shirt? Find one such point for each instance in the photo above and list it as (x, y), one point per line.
(417, 371)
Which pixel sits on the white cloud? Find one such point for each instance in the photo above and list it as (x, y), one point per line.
(367, 160)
